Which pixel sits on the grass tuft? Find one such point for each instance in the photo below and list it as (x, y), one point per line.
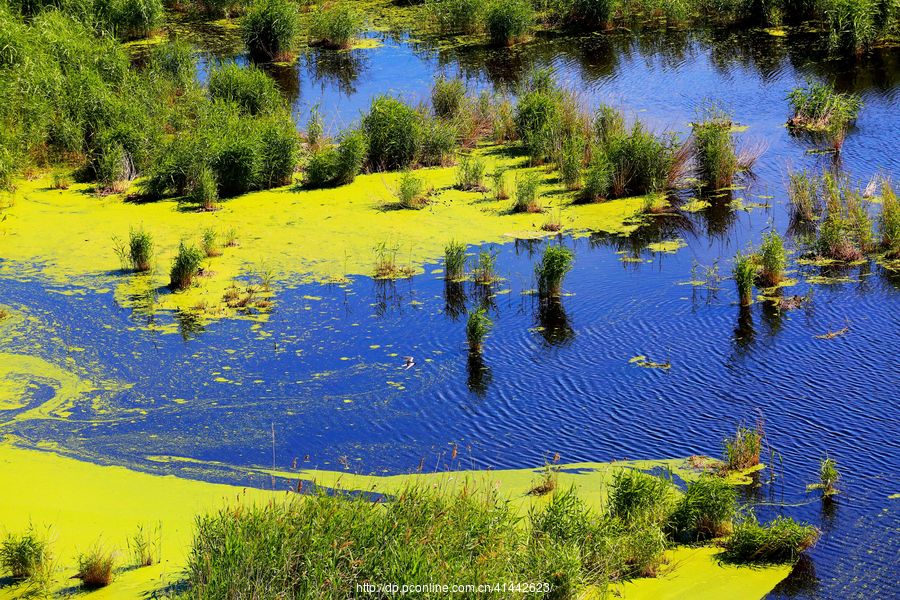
(636, 497)
(744, 272)
(743, 449)
(95, 568)
(782, 540)
(454, 261)
(470, 174)
(828, 478)
(185, 267)
(705, 510)
(818, 108)
(411, 192)
(527, 193)
(335, 26)
(772, 259)
(478, 325)
(24, 556)
(555, 263)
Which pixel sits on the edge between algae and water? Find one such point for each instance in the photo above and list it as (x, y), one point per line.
(82, 502)
(289, 234)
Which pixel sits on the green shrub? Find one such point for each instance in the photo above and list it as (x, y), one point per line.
(448, 97)
(438, 142)
(508, 21)
(248, 87)
(772, 259)
(470, 174)
(279, 151)
(458, 16)
(889, 221)
(23, 556)
(744, 273)
(717, 161)
(590, 14)
(335, 26)
(321, 169)
(638, 497)
(528, 193)
(597, 179)
(270, 29)
(185, 267)
(174, 60)
(743, 449)
(782, 540)
(411, 191)
(203, 188)
(478, 325)
(555, 263)
(394, 133)
(454, 261)
(705, 510)
(537, 118)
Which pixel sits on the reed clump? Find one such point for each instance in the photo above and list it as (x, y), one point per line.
(555, 263)
(186, 267)
(508, 22)
(818, 108)
(209, 243)
(470, 174)
(772, 259)
(394, 134)
(527, 193)
(140, 250)
(448, 97)
(743, 449)
(248, 87)
(270, 29)
(716, 157)
(498, 180)
(806, 204)
(478, 325)
(24, 556)
(411, 192)
(636, 496)
(95, 568)
(335, 26)
(454, 261)
(706, 509)
(889, 221)
(144, 546)
(782, 540)
(744, 273)
(484, 271)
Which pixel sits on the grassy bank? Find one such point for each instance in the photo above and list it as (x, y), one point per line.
(109, 503)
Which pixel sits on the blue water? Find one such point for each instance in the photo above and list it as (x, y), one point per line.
(326, 374)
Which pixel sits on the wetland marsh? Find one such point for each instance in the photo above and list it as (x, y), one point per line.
(320, 345)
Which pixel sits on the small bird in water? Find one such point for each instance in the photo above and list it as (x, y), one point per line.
(408, 362)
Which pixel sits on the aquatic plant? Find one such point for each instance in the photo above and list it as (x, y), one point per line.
(203, 188)
(642, 163)
(270, 29)
(635, 496)
(546, 484)
(597, 179)
(315, 129)
(828, 478)
(484, 270)
(537, 117)
(553, 222)
(22, 556)
(300, 547)
(144, 546)
(568, 154)
(744, 273)
(820, 109)
(498, 180)
(705, 510)
(248, 87)
(386, 266)
(470, 174)
(555, 263)
(772, 259)
(743, 449)
(185, 267)
(716, 158)
(335, 26)
(411, 191)
(454, 261)
(394, 133)
(508, 22)
(458, 16)
(889, 221)
(209, 243)
(336, 165)
(174, 60)
(140, 250)
(95, 567)
(448, 97)
(527, 193)
(782, 540)
(609, 124)
(856, 25)
(478, 325)
(590, 14)
(805, 202)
